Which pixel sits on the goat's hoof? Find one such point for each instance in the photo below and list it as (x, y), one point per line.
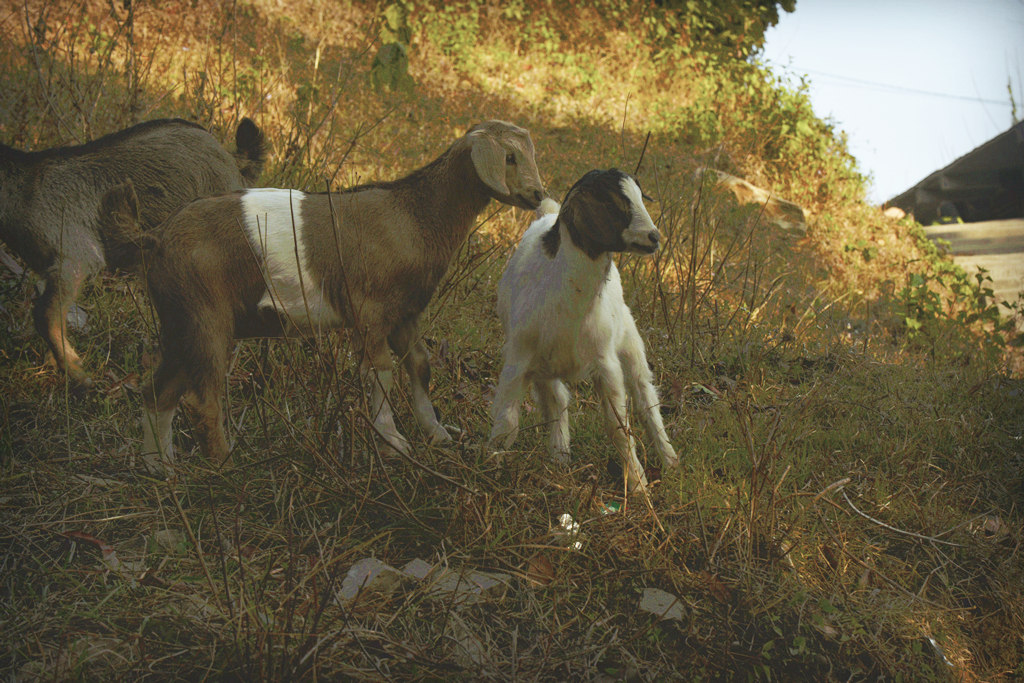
(82, 387)
(397, 445)
(560, 456)
(79, 381)
(668, 457)
(496, 458)
(440, 436)
(637, 482)
(638, 487)
(615, 469)
(157, 467)
(80, 378)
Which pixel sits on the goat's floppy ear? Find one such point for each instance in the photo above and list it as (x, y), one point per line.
(642, 193)
(489, 160)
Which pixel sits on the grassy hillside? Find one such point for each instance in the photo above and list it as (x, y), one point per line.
(845, 403)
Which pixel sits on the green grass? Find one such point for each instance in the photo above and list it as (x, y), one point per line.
(846, 492)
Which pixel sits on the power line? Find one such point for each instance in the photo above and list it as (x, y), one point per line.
(898, 89)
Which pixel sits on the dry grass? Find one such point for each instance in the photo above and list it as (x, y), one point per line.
(848, 507)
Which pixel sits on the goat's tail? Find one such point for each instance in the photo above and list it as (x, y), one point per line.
(123, 239)
(547, 205)
(251, 152)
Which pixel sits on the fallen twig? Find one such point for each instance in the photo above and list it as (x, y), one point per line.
(892, 528)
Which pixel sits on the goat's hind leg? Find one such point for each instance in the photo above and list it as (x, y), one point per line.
(552, 398)
(207, 406)
(408, 345)
(194, 362)
(160, 401)
(50, 315)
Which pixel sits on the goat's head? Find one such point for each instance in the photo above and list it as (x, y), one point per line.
(604, 211)
(503, 156)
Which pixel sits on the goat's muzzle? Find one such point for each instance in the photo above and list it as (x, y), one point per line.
(529, 199)
(645, 242)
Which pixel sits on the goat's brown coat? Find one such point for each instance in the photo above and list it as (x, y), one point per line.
(377, 252)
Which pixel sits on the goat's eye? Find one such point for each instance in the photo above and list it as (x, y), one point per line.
(510, 159)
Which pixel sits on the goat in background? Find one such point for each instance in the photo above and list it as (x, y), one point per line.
(50, 200)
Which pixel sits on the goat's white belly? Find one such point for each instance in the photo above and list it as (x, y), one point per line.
(302, 304)
(563, 342)
(556, 363)
(568, 356)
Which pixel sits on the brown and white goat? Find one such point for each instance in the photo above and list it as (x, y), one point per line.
(561, 305)
(50, 200)
(268, 261)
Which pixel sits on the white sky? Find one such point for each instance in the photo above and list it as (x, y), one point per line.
(915, 84)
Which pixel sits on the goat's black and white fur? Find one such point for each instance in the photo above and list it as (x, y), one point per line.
(561, 305)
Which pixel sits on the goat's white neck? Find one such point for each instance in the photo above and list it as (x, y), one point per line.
(584, 277)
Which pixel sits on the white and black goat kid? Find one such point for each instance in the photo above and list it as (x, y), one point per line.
(268, 262)
(561, 305)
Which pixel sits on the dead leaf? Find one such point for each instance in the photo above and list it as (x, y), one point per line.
(10, 263)
(468, 369)
(993, 527)
(697, 388)
(86, 538)
(539, 570)
(719, 591)
(102, 482)
(107, 554)
(625, 542)
(826, 629)
(170, 541)
(96, 656)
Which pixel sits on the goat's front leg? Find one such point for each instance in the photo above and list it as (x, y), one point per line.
(505, 409)
(608, 381)
(553, 399)
(377, 375)
(408, 345)
(639, 381)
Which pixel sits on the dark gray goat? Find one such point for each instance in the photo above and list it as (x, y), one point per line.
(50, 203)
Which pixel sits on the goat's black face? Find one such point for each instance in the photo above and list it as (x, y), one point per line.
(604, 212)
